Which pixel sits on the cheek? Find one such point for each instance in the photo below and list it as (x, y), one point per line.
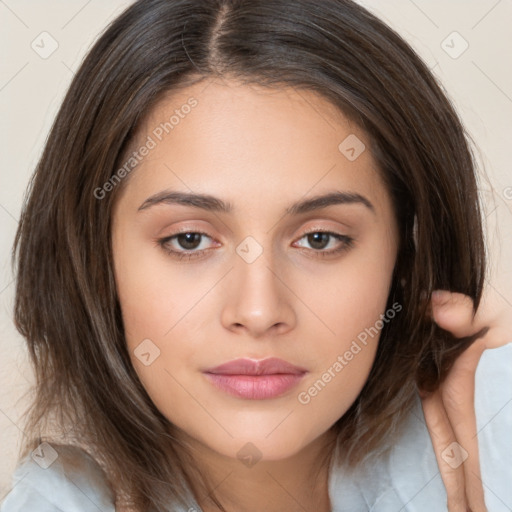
(350, 299)
(330, 391)
(160, 324)
(165, 308)
(155, 294)
(344, 359)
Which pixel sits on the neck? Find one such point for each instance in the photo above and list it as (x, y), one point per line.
(299, 482)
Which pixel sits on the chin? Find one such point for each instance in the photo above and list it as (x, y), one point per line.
(260, 446)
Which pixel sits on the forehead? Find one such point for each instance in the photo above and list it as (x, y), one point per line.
(220, 136)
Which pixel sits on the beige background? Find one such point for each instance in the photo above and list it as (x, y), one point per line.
(479, 81)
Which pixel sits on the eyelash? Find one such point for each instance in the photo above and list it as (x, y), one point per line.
(347, 243)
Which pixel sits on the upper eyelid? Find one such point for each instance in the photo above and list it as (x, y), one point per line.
(203, 232)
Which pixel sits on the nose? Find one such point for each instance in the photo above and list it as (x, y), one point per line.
(258, 300)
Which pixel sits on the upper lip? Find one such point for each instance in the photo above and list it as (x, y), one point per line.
(244, 366)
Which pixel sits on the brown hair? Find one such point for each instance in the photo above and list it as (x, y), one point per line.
(66, 302)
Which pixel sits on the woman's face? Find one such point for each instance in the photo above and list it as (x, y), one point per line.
(251, 167)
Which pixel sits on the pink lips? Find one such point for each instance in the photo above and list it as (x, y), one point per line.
(255, 380)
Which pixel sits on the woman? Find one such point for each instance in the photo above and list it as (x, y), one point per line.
(187, 323)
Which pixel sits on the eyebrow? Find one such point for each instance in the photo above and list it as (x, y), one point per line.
(214, 204)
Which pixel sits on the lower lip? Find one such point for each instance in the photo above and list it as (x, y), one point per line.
(255, 387)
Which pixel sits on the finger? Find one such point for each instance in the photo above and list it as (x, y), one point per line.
(454, 312)
(457, 394)
(445, 448)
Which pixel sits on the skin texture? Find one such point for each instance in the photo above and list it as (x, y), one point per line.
(261, 150)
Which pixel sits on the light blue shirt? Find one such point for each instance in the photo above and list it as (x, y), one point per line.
(405, 480)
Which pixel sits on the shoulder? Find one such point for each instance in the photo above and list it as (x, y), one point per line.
(59, 478)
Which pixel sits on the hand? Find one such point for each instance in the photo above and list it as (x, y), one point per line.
(449, 411)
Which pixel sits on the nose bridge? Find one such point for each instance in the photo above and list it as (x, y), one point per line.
(253, 273)
(259, 300)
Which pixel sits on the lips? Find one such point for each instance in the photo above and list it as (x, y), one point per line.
(255, 380)
(270, 366)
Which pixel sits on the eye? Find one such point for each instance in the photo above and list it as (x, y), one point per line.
(321, 240)
(185, 245)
